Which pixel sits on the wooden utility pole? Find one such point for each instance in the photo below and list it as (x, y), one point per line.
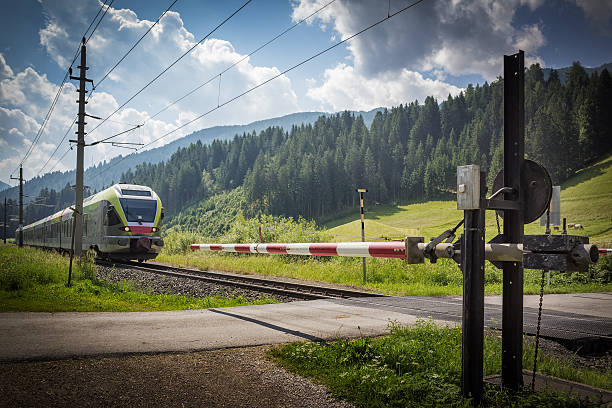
(78, 228)
(19, 236)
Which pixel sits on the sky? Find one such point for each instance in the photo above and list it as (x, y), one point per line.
(436, 47)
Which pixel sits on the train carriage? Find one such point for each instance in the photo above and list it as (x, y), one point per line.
(120, 222)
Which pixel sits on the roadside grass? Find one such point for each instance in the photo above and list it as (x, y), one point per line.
(388, 276)
(34, 280)
(420, 366)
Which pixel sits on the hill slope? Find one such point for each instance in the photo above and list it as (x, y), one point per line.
(585, 198)
(57, 180)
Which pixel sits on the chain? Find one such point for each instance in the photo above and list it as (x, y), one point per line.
(537, 339)
(497, 219)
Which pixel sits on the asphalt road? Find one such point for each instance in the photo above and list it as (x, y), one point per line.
(51, 336)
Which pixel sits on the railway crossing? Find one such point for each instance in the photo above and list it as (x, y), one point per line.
(522, 193)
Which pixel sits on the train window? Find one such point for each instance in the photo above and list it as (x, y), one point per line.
(136, 193)
(139, 210)
(111, 217)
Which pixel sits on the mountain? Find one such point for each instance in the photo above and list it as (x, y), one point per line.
(563, 71)
(4, 186)
(113, 169)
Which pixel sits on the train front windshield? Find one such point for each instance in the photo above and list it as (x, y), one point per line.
(139, 210)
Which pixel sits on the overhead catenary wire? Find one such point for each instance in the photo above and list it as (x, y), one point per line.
(99, 21)
(60, 159)
(240, 60)
(97, 84)
(133, 46)
(171, 65)
(268, 80)
(58, 94)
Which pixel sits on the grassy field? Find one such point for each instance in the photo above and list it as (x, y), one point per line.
(421, 367)
(388, 276)
(586, 199)
(35, 281)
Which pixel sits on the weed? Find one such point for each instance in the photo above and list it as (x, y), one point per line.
(415, 367)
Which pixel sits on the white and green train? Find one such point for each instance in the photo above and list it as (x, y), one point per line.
(122, 222)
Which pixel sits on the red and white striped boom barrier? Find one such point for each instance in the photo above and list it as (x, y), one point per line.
(583, 254)
(605, 251)
(356, 249)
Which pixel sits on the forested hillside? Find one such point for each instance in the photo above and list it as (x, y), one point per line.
(409, 153)
(46, 203)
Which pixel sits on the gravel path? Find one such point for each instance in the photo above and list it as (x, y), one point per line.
(223, 378)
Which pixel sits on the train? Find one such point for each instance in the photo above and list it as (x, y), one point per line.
(122, 222)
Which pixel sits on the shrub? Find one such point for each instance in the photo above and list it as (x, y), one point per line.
(178, 241)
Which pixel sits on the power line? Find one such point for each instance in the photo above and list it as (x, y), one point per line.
(389, 16)
(99, 21)
(60, 159)
(105, 75)
(170, 66)
(58, 146)
(242, 59)
(61, 87)
(133, 46)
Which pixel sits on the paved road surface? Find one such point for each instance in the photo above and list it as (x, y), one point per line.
(42, 336)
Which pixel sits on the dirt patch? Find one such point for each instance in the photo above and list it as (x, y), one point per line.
(223, 378)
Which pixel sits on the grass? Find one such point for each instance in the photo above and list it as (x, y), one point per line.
(420, 367)
(586, 199)
(35, 280)
(388, 276)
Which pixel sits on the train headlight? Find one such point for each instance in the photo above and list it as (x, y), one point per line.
(154, 229)
(126, 229)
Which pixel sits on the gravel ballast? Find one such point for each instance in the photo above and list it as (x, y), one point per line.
(155, 283)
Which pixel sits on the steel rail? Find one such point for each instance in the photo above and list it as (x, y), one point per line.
(290, 289)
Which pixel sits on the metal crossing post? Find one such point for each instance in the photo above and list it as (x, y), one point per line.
(514, 151)
(5, 220)
(361, 191)
(19, 236)
(472, 265)
(78, 230)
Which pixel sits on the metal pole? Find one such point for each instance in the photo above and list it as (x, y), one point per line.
(78, 230)
(363, 261)
(514, 152)
(472, 263)
(20, 233)
(5, 221)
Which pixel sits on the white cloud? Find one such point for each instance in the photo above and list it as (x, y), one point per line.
(599, 10)
(344, 88)
(458, 37)
(28, 94)
(530, 39)
(5, 70)
(166, 42)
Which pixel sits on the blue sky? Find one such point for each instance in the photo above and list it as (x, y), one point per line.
(435, 48)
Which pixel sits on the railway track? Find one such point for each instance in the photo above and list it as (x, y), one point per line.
(270, 286)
